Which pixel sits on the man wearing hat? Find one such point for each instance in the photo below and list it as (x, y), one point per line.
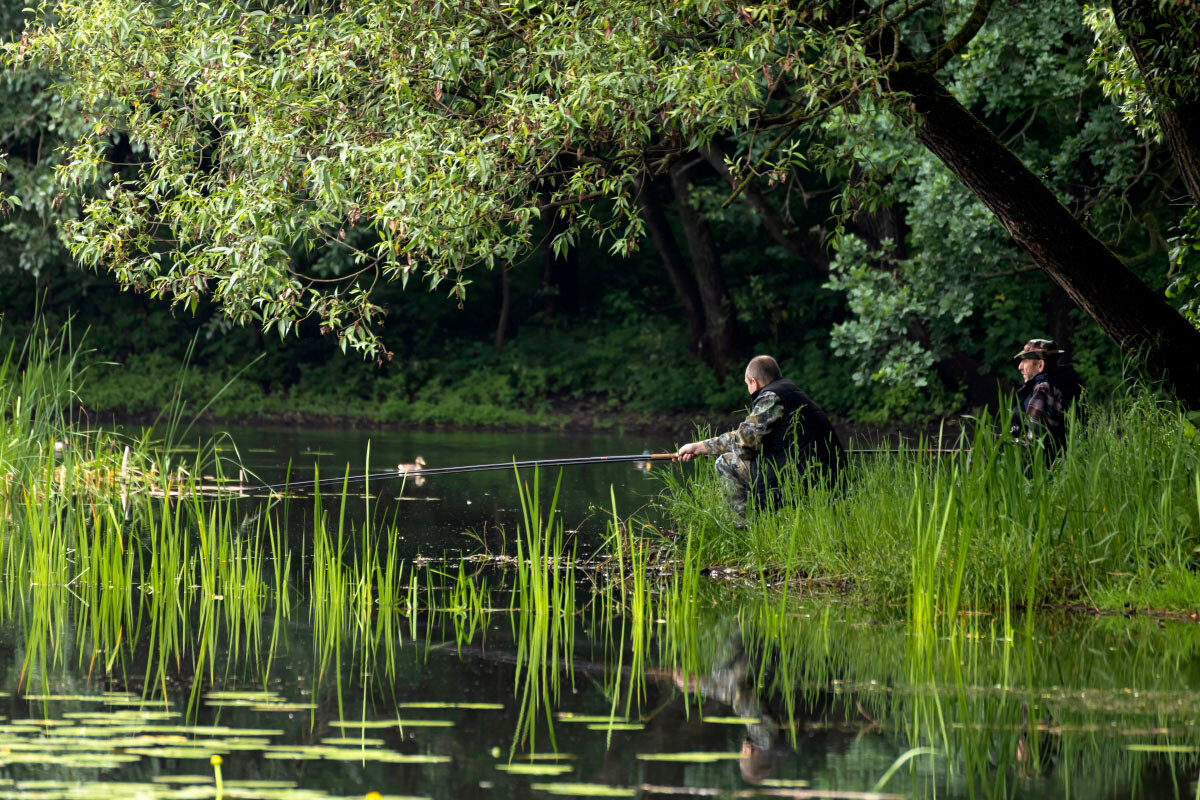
(1049, 391)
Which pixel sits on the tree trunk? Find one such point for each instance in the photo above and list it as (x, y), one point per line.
(808, 248)
(720, 320)
(1164, 43)
(505, 308)
(676, 267)
(1136, 317)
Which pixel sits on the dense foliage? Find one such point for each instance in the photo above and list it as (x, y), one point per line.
(276, 169)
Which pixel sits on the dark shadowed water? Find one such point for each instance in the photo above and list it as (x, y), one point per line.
(719, 690)
(436, 511)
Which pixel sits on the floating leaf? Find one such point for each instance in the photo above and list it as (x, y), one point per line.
(393, 723)
(1161, 748)
(585, 789)
(535, 769)
(616, 726)
(358, 741)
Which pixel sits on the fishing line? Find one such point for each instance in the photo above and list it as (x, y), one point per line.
(425, 472)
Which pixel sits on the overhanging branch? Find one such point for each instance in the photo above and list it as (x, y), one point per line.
(951, 48)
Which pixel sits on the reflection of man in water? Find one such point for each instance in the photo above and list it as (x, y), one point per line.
(732, 684)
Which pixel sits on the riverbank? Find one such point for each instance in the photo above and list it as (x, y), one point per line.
(1113, 524)
(106, 402)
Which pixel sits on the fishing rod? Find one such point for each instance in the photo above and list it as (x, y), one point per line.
(424, 472)
(918, 450)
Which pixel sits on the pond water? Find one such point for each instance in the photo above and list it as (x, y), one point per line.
(436, 511)
(476, 681)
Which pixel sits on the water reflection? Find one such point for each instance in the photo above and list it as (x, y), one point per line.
(323, 661)
(444, 706)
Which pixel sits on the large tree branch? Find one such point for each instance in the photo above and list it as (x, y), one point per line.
(1136, 317)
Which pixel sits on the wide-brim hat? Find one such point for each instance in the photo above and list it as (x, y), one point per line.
(1038, 349)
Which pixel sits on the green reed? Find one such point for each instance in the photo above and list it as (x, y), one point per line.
(1115, 520)
(544, 610)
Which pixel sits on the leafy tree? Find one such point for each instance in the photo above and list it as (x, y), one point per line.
(440, 130)
(913, 301)
(1149, 52)
(35, 125)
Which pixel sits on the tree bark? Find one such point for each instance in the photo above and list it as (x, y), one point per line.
(1138, 319)
(1162, 40)
(723, 333)
(675, 266)
(808, 248)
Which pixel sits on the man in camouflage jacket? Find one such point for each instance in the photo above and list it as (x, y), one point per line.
(783, 423)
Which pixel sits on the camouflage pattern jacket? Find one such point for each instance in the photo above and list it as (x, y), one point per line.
(745, 441)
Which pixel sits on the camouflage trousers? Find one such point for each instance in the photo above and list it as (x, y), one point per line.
(735, 480)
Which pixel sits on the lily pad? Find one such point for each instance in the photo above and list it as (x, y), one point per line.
(1161, 748)
(355, 741)
(365, 724)
(616, 726)
(585, 789)
(393, 723)
(535, 769)
(326, 752)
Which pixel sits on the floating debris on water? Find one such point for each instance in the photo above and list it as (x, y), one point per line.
(535, 769)
(393, 723)
(440, 704)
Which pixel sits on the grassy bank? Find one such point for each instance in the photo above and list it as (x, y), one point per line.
(1116, 521)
